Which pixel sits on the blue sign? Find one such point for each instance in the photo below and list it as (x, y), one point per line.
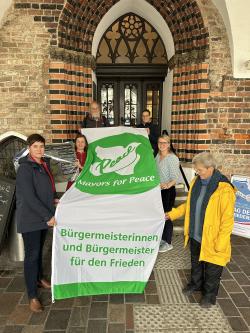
(242, 205)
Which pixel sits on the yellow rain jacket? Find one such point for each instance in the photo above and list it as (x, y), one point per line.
(218, 224)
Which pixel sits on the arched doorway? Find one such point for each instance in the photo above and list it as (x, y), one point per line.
(131, 68)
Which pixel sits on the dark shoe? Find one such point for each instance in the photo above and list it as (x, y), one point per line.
(206, 303)
(189, 290)
(35, 305)
(44, 284)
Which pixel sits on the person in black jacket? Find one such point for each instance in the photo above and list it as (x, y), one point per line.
(94, 119)
(35, 209)
(153, 131)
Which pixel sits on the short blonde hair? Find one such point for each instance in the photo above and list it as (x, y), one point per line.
(205, 158)
(164, 137)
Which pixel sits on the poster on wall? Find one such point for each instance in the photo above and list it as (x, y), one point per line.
(242, 206)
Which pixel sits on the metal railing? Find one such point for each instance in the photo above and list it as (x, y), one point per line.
(174, 151)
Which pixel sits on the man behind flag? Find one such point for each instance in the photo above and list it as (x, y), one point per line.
(110, 222)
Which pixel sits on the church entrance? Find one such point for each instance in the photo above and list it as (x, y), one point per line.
(131, 68)
(123, 100)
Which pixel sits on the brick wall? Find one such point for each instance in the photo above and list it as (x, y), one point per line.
(50, 94)
(217, 121)
(24, 76)
(190, 94)
(70, 89)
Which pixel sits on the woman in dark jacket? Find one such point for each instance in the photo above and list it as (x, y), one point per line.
(35, 204)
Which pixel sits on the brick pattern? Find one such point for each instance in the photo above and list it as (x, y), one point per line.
(122, 313)
(190, 95)
(70, 91)
(23, 76)
(187, 27)
(210, 108)
(46, 12)
(228, 123)
(205, 119)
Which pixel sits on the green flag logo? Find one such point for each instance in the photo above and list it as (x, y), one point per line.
(119, 164)
(121, 160)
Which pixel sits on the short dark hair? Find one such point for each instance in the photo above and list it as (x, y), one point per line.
(35, 138)
(86, 141)
(146, 110)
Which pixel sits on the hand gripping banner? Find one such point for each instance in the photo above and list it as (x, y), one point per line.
(109, 224)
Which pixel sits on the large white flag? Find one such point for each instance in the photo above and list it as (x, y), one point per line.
(109, 224)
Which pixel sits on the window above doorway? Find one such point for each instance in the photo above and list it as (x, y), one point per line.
(131, 40)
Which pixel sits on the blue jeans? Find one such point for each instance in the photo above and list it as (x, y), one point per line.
(33, 247)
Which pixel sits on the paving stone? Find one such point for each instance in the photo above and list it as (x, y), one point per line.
(82, 301)
(97, 326)
(228, 307)
(152, 276)
(3, 320)
(63, 304)
(129, 317)
(57, 320)
(178, 258)
(246, 291)
(116, 313)
(8, 302)
(116, 328)
(24, 299)
(231, 286)
(242, 279)
(240, 299)
(232, 267)
(179, 317)
(116, 298)
(246, 269)
(152, 299)
(33, 329)
(172, 295)
(45, 298)
(100, 298)
(8, 273)
(39, 318)
(57, 331)
(20, 315)
(245, 312)
(237, 323)
(13, 329)
(4, 282)
(170, 287)
(240, 260)
(79, 316)
(98, 310)
(226, 275)
(151, 288)
(222, 292)
(17, 285)
(76, 330)
(135, 298)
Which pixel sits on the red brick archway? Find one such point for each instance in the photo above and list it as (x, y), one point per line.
(79, 20)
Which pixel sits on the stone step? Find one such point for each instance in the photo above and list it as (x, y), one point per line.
(178, 225)
(181, 196)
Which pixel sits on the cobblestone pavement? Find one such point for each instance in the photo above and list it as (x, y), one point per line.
(161, 308)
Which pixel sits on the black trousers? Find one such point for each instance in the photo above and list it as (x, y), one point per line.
(33, 247)
(204, 275)
(168, 199)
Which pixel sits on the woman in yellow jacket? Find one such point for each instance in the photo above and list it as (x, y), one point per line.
(208, 224)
